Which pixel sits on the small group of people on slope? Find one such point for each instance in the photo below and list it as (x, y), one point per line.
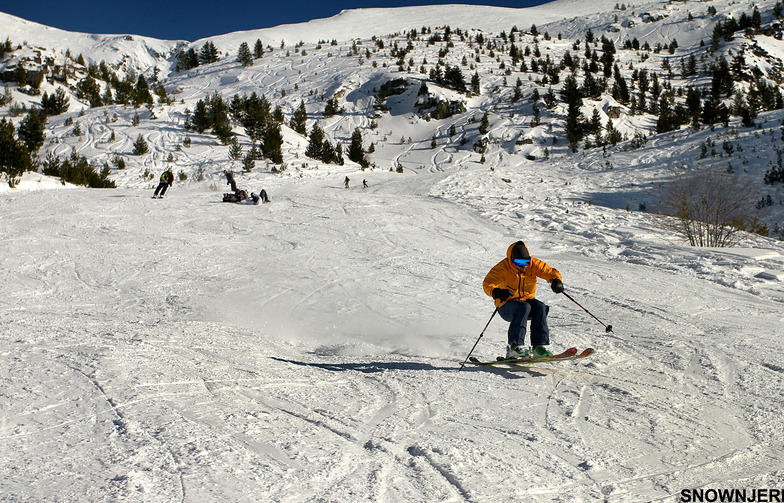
(347, 180)
(239, 195)
(235, 196)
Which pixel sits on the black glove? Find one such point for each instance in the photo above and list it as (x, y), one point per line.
(557, 285)
(501, 294)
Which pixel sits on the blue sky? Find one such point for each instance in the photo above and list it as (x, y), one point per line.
(178, 20)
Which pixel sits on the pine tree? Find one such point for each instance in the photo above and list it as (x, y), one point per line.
(484, 124)
(315, 143)
(620, 91)
(140, 146)
(208, 54)
(272, 146)
(328, 154)
(248, 162)
(14, 156)
(574, 101)
(141, 92)
(201, 120)
(55, 104)
(299, 120)
(475, 84)
(332, 107)
(31, 130)
(355, 151)
(244, 57)
(258, 49)
(87, 89)
(235, 149)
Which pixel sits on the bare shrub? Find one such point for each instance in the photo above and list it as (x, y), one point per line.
(708, 208)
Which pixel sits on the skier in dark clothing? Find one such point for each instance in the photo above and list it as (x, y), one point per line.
(230, 180)
(167, 179)
(364, 184)
(345, 182)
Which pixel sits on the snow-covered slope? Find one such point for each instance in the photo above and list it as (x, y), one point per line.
(187, 349)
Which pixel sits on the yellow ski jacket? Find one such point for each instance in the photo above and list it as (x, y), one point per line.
(521, 283)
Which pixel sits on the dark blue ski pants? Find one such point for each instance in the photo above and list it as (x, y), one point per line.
(518, 312)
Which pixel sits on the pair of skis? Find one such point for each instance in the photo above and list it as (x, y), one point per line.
(569, 354)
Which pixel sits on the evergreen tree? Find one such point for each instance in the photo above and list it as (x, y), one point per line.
(484, 124)
(694, 105)
(14, 156)
(315, 143)
(332, 107)
(611, 135)
(208, 54)
(258, 49)
(594, 125)
(140, 146)
(328, 154)
(141, 92)
(244, 56)
(31, 130)
(248, 162)
(201, 120)
(235, 149)
(355, 151)
(88, 90)
(620, 90)
(339, 154)
(475, 84)
(191, 58)
(123, 90)
(537, 118)
(77, 170)
(574, 101)
(56, 103)
(299, 120)
(272, 146)
(453, 77)
(667, 120)
(722, 83)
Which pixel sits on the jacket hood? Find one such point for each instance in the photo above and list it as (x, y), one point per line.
(517, 250)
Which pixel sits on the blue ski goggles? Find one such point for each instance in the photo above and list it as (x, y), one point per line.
(522, 262)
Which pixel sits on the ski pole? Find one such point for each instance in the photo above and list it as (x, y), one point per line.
(477, 341)
(607, 328)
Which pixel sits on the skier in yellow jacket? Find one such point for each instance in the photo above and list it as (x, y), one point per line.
(512, 284)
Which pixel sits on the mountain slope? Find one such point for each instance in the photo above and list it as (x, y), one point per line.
(308, 349)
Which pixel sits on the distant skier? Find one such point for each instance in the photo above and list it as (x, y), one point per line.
(167, 179)
(345, 182)
(364, 184)
(230, 180)
(512, 284)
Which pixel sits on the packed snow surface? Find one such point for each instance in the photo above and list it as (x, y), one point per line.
(308, 349)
